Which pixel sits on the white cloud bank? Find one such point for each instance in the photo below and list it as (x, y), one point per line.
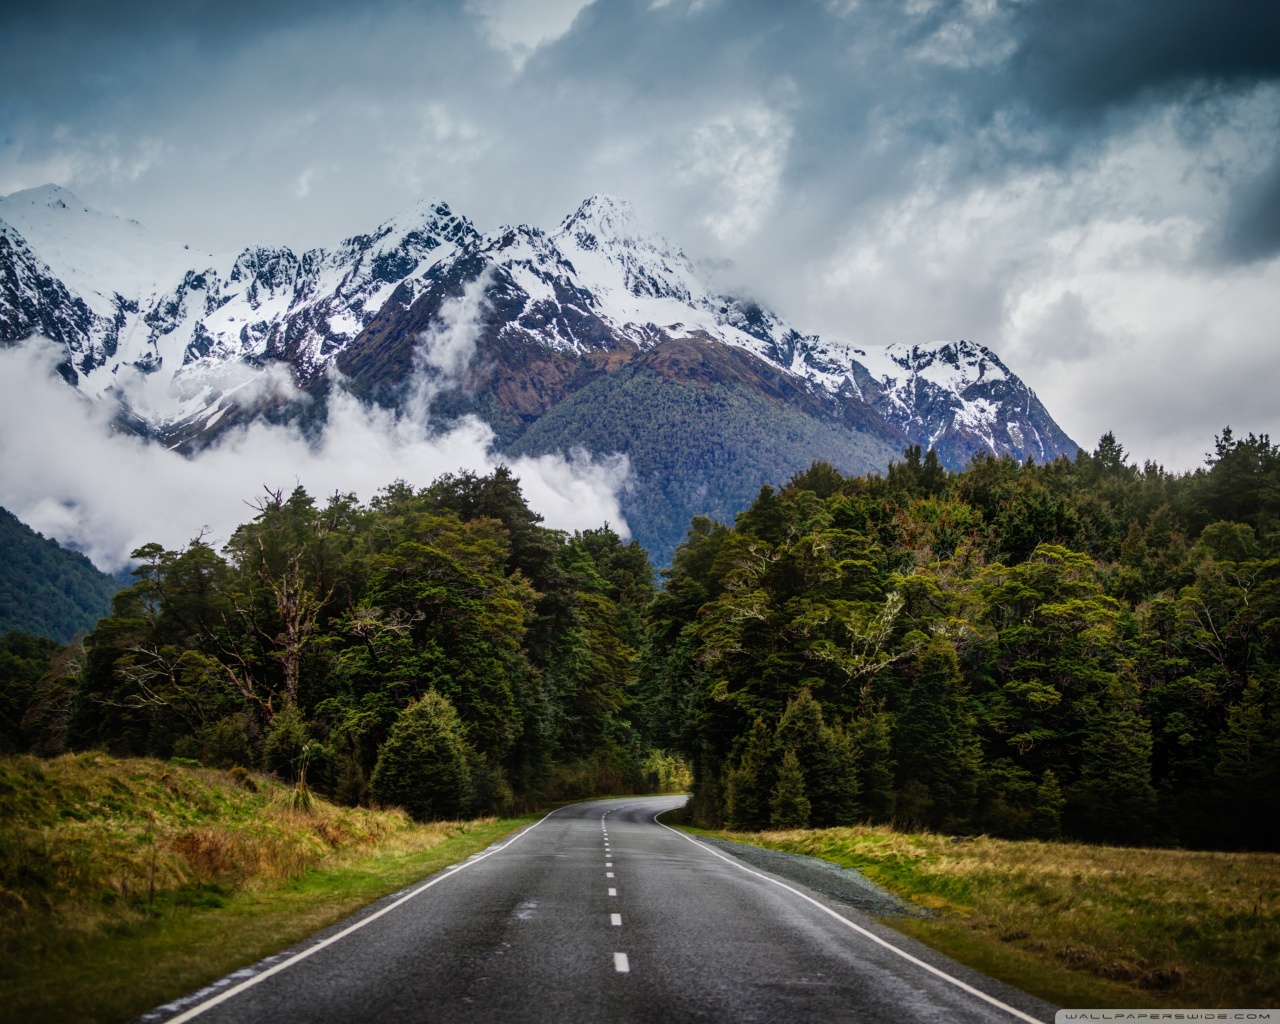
(64, 472)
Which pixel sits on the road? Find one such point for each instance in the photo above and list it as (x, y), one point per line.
(600, 913)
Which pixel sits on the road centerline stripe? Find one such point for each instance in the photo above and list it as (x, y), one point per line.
(621, 964)
(615, 920)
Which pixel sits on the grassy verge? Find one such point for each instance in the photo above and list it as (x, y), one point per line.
(1078, 925)
(126, 883)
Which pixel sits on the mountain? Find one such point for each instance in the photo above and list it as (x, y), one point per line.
(45, 589)
(599, 334)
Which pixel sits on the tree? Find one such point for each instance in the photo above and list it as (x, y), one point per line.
(935, 743)
(1046, 815)
(789, 806)
(1114, 798)
(825, 757)
(423, 766)
(749, 783)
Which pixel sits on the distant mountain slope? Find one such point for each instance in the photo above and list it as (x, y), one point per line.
(521, 327)
(695, 448)
(46, 589)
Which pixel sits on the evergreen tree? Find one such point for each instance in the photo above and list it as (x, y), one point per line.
(748, 785)
(935, 743)
(1114, 798)
(1046, 815)
(789, 806)
(424, 765)
(1248, 769)
(872, 739)
(825, 757)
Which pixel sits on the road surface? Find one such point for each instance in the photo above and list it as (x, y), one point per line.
(600, 913)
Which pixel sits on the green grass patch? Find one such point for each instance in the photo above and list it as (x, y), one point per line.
(127, 883)
(1077, 925)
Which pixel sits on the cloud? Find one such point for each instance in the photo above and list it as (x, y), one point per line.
(65, 473)
(521, 26)
(742, 155)
(878, 171)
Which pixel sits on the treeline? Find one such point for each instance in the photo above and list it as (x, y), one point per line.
(1086, 648)
(437, 649)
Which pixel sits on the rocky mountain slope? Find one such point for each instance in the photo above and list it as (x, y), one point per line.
(597, 334)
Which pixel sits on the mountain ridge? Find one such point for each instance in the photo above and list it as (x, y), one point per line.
(504, 325)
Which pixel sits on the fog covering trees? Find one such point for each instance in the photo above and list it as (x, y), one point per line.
(1087, 648)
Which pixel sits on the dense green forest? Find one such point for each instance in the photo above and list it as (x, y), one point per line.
(694, 447)
(437, 649)
(1086, 648)
(46, 589)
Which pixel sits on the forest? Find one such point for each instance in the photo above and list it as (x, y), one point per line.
(1085, 649)
(1082, 649)
(437, 650)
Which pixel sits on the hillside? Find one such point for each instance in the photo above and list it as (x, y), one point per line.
(695, 448)
(46, 589)
(507, 326)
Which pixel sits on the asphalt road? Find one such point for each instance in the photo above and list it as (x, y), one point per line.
(598, 913)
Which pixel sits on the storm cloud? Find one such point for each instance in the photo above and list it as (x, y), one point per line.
(1089, 187)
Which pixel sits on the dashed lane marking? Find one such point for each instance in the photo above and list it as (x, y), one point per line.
(621, 964)
(615, 920)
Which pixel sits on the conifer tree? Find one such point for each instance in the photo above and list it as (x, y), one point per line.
(423, 766)
(1046, 814)
(1114, 796)
(1248, 770)
(789, 806)
(872, 738)
(935, 741)
(747, 787)
(825, 760)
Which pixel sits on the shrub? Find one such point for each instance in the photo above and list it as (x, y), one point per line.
(423, 766)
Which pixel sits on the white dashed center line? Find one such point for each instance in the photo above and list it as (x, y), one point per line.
(621, 964)
(608, 863)
(615, 920)
(613, 892)
(608, 874)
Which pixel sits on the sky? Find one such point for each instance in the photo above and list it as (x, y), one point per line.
(1091, 188)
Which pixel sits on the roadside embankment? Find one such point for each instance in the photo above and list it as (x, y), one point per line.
(1074, 924)
(127, 882)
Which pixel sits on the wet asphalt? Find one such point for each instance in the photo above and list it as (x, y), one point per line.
(598, 913)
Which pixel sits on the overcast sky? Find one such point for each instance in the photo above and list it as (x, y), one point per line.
(1089, 187)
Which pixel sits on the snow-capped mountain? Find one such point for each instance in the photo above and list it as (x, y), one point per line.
(598, 333)
(166, 330)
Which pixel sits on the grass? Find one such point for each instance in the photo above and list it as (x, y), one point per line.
(127, 882)
(1077, 925)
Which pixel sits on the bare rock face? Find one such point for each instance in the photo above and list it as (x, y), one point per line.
(588, 335)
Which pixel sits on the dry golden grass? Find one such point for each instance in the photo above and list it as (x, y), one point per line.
(127, 882)
(1069, 921)
(90, 842)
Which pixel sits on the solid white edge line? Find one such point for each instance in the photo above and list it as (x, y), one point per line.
(248, 983)
(859, 929)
